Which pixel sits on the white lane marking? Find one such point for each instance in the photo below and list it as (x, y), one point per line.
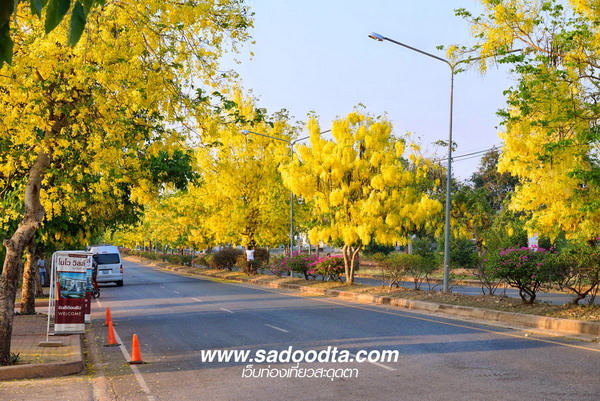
(162, 286)
(176, 292)
(226, 310)
(277, 328)
(375, 363)
(134, 368)
(196, 299)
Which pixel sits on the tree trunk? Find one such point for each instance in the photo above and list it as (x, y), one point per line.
(349, 277)
(29, 276)
(350, 262)
(33, 215)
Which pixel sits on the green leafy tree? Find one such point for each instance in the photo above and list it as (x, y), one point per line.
(552, 137)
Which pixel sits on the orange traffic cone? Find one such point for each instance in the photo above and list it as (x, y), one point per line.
(136, 357)
(112, 341)
(108, 318)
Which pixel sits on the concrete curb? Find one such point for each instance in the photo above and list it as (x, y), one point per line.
(560, 326)
(42, 370)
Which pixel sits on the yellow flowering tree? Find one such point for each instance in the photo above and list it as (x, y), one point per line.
(54, 12)
(168, 221)
(552, 138)
(241, 190)
(361, 185)
(82, 126)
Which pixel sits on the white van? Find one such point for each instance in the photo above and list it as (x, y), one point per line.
(110, 266)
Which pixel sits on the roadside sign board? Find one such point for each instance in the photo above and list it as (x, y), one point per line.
(69, 273)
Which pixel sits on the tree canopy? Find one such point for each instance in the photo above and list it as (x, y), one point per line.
(551, 138)
(361, 185)
(84, 129)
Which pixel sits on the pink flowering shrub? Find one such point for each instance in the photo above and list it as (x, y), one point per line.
(527, 269)
(279, 266)
(297, 263)
(329, 267)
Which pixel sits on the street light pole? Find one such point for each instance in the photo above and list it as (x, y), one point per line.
(291, 145)
(452, 66)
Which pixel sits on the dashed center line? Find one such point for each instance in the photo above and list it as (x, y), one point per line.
(196, 299)
(226, 310)
(277, 328)
(176, 292)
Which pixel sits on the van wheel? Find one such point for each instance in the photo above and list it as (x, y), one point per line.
(119, 283)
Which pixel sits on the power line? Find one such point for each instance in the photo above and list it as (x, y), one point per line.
(467, 158)
(471, 155)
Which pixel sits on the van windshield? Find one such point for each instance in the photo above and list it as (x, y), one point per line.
(107, 258)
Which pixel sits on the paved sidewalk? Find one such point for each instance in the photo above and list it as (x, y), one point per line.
(36, 361)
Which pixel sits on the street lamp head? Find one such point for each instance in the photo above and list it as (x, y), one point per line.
(244, 132)
(377, 37)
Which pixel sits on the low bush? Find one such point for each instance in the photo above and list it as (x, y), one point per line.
(329, 268)
(261, 255)
(398, 265)
(148, 255)
(225, 258)
(579, 270)
(487, 277)
(209, 258)
(200, 261)
(184, 260)
(526, 269)
(279, 266)
(300, 264)
(395, 266)
(425, 247)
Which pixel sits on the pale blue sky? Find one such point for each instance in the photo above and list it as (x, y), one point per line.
(316, 56)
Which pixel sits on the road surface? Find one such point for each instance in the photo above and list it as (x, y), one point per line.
(177, 318)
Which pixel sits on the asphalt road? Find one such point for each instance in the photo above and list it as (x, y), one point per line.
(177, 317)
